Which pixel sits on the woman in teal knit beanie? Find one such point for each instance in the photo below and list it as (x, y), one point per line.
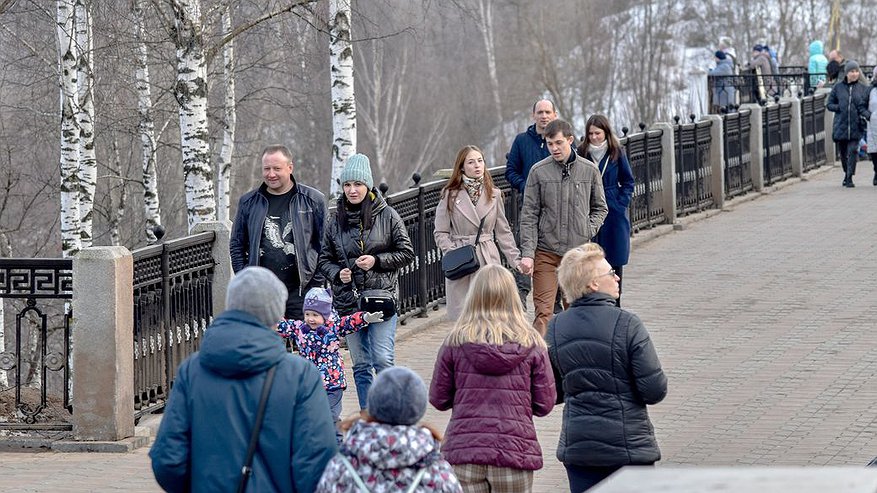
(366, 244)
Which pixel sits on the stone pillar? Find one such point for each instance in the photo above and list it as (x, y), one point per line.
(830, 152)
(756, 146)
(717, 159)
(102, 342)
(668, 170)
(222, 272)
(797, 136)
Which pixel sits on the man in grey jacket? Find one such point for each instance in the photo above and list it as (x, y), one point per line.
(564, 206)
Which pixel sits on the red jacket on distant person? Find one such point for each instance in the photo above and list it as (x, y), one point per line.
(494, 392)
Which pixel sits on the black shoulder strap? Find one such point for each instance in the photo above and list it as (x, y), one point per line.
(247, 470)
(480, 225)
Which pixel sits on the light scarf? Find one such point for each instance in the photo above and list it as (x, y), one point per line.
(597, 152)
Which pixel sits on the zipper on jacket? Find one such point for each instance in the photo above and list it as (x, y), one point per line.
(849, 108)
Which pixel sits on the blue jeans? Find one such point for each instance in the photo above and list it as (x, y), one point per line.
(335, 406)
(372, 349)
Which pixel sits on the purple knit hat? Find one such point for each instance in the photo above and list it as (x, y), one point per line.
(319, 300)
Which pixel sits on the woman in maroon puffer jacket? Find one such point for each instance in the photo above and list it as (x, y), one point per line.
(493, 370)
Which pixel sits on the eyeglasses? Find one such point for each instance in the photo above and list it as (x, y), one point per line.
(610, 273)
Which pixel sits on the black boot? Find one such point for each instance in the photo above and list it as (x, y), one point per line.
(875, 179)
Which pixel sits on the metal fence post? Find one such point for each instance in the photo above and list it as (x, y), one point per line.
(422, 280)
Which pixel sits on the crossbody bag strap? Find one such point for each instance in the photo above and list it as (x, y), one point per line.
(356, 479)
(347, 262)
(417, 480)
(247, 470)
(480, 225)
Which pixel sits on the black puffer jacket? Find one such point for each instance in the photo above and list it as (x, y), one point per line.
(849, 102)
(387, 240)
(606, 370)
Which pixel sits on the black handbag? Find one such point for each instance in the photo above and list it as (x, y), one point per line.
(371, 300)
(463, 261)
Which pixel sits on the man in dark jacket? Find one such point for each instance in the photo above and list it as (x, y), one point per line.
(606, 370)
(279, 226)
(202, 442)
(849, 102)
(835, 65)
(527, 149)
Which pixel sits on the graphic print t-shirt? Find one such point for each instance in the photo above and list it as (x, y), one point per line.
(277, 250)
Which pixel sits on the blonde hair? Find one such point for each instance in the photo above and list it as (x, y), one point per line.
(492, 312)
(578, 268)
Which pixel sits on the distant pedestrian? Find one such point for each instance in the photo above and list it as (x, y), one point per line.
(724, 91)
(528, 148)
(762, 63)
(493, 372)
(388, 451)
(602, 147)
(816, 65)
(835, 66)
(365, 247)
(318, 339)
(607, 370)
(726, 46)
(469, 201)
(872, 126)
(202, 442)
(849, 103)
(564, 206)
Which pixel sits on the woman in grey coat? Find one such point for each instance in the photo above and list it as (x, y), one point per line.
(606, 370)
(469, 197)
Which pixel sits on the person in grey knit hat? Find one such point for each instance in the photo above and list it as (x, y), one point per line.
(257, 291)
(358, 168)
(397, 397)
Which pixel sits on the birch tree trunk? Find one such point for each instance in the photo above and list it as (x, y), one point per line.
(118, 213)
(223, 187)
(5, 251)
(146, 125)
(191, 93)
(485, 23)
(85, 113)
(341, 76)
(71, 230)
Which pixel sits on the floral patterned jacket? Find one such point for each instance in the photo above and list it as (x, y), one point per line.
(322, 345)
(387, 458)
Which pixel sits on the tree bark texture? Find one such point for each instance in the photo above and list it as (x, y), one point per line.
(146, 125)
(226, 154)
(71, 229)
(191, 94)
(341, 76)
(87, 158)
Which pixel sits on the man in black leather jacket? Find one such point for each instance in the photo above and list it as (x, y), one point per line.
(279, 226)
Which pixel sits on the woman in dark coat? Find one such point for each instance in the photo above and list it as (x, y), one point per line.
(365, 245)
(493, 371)
(849, 102)
(607, 371)
(603, 149)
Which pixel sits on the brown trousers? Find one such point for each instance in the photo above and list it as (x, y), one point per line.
(544, 287)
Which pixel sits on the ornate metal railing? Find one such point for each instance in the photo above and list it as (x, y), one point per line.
(41, 381)
(173, 305)
(776, 127)
(738, 158)
(813, 131)
(693, 171)
(644, 152)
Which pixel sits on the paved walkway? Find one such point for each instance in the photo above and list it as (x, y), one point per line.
(763, 316)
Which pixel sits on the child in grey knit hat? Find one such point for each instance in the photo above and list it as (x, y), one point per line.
(318, 338)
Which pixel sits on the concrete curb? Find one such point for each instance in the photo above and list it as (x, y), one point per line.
(119, 446)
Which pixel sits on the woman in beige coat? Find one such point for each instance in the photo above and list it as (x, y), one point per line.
(469, 196)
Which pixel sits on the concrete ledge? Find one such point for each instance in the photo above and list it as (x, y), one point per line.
(741, 480)
(119, 446)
